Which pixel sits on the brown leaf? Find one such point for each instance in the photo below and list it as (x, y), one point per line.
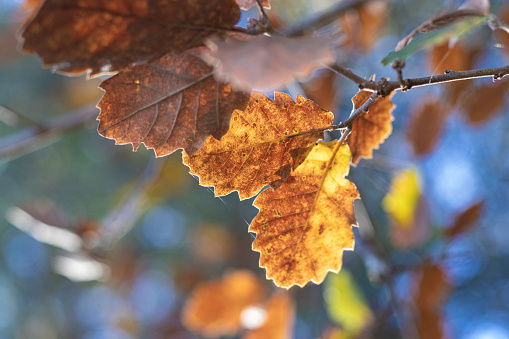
(465, 221)
(247, 4)
(256, 151)
(426, 122)
(169, 104)
(431, 294)
(480, 104)
(363, 25)
(104, 36)
(304, 226)
(500, 35)
(268, 62)
(323, 89)
(214, 307)
(280, 319)
(371, 128)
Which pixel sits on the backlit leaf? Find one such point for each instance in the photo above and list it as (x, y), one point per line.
(481, 103)
(256, 151)
(169, 104)
(103, 36)
(345, 303)
(426, 123)
(280, 319)
(304, 226)
(214, 307)
(269, 62)
(371, 128)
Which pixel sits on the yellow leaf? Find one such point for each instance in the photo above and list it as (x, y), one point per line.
(345, 303)
(256, 151)
(304, 226)
(403, 198)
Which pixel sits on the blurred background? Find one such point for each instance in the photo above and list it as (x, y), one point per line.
(431, 257)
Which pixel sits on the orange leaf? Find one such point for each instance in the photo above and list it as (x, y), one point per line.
(256, 151)
(371, 128)
(280, 319)
(466, 220)
(247, 4)
(482, 103)
(169, 104)
(214, 307)
(268, 62)
(103, 36)
(304, 226)
(425, 126)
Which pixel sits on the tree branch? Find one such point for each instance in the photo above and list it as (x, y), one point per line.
(384, 87)
(37, 137)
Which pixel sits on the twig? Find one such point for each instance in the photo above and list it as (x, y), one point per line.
(384, 87)
(34, 138)
(323, 18)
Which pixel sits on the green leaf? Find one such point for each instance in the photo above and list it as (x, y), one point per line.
(426, 41)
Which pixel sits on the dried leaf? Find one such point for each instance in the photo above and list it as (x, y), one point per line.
(214, 307)
(426, 123)
(268, 62)
(280, 319)
(105, 36)
(371, 128)
(304, 226)
(323, 89)
(482, 103)
(256, 151)
(465, 221)
(170, 104)
(247, 4)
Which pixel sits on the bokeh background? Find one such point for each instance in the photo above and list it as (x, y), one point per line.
(400, 280)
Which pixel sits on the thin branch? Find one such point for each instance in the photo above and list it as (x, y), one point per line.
(34, 138)
(323, 18)
(384, 87)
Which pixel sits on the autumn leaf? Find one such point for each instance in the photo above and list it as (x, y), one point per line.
(280, 319)
(257, 150)
(268, 62)
(304, 226)
(465, 221)
(482, 103)
(215, 307)
(426, 123)
(247, 4)
(105, 36)
(169, 104)
(371, 128)
(323, 89)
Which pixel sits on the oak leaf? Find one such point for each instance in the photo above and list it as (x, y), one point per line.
(257, 150)
(268, 62)
(169, 104)
(371, 128)
(426, 124)
(215, 307)
(304, 226)
(280, 311)
(104, 36)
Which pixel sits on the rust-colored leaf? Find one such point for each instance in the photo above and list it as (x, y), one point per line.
(465, 221)
(268, 62)
(304, 226)
(103, 36)
(426, 123)
(280, 319)
(372, 127)
(323, 89)
(256, 151)
(169, 104)
(481, 103)
(247, 4)
(214, 307)
(431, 294)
